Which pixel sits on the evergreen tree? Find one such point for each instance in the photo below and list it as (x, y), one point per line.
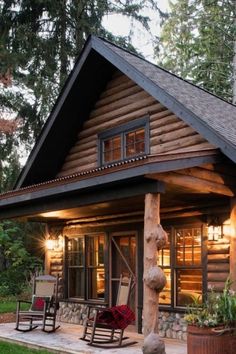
(39, 43)
(197, 43)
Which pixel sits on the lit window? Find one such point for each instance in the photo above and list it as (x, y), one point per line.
(85, 264)
(181, 261)
(123, 142)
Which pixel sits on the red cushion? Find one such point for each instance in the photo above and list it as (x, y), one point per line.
(38, 302)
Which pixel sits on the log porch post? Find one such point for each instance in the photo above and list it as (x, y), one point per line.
(233, 243)
(150, 298)
(153, 276)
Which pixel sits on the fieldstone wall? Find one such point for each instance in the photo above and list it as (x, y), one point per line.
(172, 325)
(72, 312)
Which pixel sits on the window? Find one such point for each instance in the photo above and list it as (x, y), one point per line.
(124, 142)
(181, 261)
(85, 265)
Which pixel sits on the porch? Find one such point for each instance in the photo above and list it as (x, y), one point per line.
(66, 341)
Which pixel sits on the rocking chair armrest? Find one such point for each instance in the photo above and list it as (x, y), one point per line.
(19, 302)
(24, 301)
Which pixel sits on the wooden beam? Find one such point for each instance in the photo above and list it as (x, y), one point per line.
(208, 175)
(233, 243)
(193, 183)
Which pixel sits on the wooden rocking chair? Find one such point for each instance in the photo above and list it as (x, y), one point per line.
(105, 326)
(43, 307)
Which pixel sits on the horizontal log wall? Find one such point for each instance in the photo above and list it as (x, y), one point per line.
(218, 256)
(121, 102)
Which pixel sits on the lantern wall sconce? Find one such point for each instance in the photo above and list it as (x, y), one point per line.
(53, 243)
(214, 229)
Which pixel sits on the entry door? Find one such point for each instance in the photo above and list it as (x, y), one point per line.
(123, 261)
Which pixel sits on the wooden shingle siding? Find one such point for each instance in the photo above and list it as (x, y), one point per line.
(121, 102)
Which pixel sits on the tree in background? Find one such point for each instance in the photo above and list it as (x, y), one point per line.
(197, 43)
(16, 263)
(40, 41)
(9, 157)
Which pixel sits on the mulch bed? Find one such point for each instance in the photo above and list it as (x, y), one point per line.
(7, 317)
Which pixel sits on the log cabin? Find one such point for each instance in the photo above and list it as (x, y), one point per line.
(128, 147)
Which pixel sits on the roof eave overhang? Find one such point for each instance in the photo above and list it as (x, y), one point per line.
(91, 190)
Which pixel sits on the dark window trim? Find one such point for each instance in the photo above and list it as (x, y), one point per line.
(173, 267)
(121, 130)
(85, 266)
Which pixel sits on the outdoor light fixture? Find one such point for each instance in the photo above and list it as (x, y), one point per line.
(53, 243)
(214, 229)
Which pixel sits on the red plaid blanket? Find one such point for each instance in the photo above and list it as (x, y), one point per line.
(117, 317)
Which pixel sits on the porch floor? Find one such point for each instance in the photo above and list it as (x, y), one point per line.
(66, 341)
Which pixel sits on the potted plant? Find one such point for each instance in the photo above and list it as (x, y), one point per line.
(212, 325)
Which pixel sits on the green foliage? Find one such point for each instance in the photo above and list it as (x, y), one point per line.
(219, 309)
(16, 263)
(40, 42)
(10, 348)
(197, 43)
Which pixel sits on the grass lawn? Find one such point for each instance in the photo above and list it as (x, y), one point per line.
(9, 305)
(10, 348)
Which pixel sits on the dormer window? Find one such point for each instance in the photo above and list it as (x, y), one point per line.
(124, 142)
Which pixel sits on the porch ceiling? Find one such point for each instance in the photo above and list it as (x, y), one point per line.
(176, 201)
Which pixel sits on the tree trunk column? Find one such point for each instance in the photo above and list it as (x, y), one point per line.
(233, 243)
(150, 298)
(154, 278)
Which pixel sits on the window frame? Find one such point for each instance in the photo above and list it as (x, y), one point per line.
(86, 267)
(174, 267)
(121, 131)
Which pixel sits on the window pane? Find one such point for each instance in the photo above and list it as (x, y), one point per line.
(189, 286)
(188, 246)
(116, 155)
(165, 294)
(107, 145)
(96, 283)
(96, 271)
(164, 253)
(76, 282)
(140, 147)
(95, 250)
(130, 138)
(107, 156)
(140, 134)
(76, 252)
(112, 149)
(116, 142)
(135, 142)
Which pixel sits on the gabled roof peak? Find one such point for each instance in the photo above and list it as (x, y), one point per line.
(209, 115)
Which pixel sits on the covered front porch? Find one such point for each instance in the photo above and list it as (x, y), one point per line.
(67, 340)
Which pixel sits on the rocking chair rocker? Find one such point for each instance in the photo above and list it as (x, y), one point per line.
(104, 327)
(43, 307)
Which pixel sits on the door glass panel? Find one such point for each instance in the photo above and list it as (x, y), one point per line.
(123, 262)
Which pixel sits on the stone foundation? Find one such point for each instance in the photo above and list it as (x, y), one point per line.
(72, 312)
(172, 325)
